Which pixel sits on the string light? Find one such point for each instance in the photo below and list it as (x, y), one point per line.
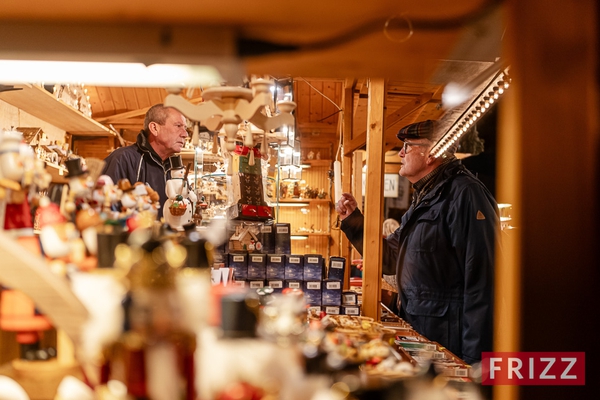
(477, 109)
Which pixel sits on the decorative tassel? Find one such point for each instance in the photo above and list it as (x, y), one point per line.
(264, 147)
(251, 157)
(215, 148)
(230, 165)
(196, 135)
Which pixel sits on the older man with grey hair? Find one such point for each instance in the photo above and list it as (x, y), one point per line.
(443, 254)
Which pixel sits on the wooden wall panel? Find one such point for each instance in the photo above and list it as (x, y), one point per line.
(155, 96)
(96, 147)
(143, 98)
(97, 108)
(316, 102)
(131, 100)
(301, 97)
(329, 111)
(118, 99)
(106, 100)
(316, 220)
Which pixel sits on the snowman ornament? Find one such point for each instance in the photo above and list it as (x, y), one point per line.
(178, 209)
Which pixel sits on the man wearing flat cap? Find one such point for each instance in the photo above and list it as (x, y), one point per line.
(443, 253)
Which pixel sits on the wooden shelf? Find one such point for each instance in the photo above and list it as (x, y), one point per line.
(310, 201)
(321, 234)
(57, 172)
(43, 105)
(317, 163)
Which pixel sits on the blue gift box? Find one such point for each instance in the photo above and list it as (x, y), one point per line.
(277, 285)
(257, 269)
(239, 263)
(313, 292)
(294, 267)
(332, 293)
(337, 268)
(276, 266)
(332, 310)
(351, 310)
(283, 239)
(293, 284)
(313, 267)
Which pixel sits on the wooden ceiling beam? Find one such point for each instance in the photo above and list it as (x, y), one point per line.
(121, 116)
(389, 136)
(116, 118)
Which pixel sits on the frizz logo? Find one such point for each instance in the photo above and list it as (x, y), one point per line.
(533, 368)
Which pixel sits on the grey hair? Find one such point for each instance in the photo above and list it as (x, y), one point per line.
(157, 113)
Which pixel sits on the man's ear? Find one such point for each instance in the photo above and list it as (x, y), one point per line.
(153, 128)
(430, 159)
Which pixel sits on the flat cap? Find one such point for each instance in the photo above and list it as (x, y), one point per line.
(420, 130)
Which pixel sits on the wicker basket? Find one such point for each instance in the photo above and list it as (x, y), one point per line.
(178, 211)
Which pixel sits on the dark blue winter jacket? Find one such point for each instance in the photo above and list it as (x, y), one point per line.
(443, 257)
(139, 163)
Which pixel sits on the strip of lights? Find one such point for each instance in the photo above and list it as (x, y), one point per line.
(478, 107)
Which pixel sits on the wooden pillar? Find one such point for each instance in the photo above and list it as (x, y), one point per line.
(549, 169)
(357, 190)
(348, 107)
(373, 210)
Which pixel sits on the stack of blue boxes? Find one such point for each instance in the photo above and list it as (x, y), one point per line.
(322, 284)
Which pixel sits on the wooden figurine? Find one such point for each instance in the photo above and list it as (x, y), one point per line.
(16, 212)
(80, 187)
(154, 355)
(178, 209)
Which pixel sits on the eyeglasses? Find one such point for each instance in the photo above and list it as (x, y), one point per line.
(408, 145)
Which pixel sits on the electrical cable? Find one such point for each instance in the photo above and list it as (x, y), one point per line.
(340, 119)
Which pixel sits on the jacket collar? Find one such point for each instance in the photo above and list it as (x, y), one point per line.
(430, 183)
(144, 145)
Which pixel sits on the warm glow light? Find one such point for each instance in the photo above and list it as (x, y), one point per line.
(109, 74)
(298, 237)
(282, 204)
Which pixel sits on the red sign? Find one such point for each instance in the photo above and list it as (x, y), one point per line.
(533, 368)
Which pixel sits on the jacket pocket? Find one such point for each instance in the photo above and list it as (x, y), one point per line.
(431, 318)
(425, 235)
(426, 307)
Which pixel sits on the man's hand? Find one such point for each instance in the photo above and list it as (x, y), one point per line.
(346, 205)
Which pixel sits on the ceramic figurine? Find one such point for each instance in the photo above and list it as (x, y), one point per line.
(178, 209)
(80, 187)
(147, 198)
(105, 196)
(16, 170)
(56, 234)
(128, 199)
(154, 355)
